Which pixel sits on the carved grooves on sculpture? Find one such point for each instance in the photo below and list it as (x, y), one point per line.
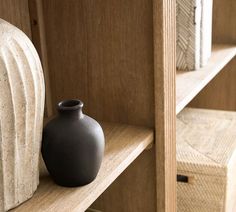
(22, 91)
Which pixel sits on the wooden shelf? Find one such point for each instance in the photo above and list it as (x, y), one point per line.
(189, 84)
(123, 144)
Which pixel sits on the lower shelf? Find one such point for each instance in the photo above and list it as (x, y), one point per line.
(123, 144)
(190, 83)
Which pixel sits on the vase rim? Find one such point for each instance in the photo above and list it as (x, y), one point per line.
(70, 104)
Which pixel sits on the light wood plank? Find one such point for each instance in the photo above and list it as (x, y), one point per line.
(189, 84)
(220, 91)
(164, 77)
(123, 144)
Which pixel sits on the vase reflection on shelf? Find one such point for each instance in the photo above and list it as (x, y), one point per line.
(73, 145)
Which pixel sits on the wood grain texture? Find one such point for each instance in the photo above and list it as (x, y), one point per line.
(123, 144)
(141, 171)
(39, 40)
(164, 75)
(17, 13)
(221, 91)
(189, 84)
(104, 57)
(224, 30)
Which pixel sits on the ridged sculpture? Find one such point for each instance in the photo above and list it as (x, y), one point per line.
(22, 94)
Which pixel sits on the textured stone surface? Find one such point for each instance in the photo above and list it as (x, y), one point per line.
(22, 94)
(188, 22)
(193, 26)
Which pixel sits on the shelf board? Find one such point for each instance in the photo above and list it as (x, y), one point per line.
(124, 143)
(190, 83)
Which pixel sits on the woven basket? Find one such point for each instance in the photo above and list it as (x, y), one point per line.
(206, 161)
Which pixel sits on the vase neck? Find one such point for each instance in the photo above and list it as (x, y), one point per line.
(71, 108)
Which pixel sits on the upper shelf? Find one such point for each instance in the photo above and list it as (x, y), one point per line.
(123, 144)
(190, 83)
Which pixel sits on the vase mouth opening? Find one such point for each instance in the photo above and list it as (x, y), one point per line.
(71, 104)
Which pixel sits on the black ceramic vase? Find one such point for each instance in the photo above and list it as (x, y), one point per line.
(73, 146)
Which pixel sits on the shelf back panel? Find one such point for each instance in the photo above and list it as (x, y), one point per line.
(17, 13)
(102, 53)
(221, 91)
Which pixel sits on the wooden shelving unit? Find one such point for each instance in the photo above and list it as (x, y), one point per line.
(124, 144)
(119, 58)
(189, 84)
(212, 87)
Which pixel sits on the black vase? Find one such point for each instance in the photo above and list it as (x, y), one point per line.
(73, 146)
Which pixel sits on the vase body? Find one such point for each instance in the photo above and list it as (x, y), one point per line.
(22, 94)
(73, 146)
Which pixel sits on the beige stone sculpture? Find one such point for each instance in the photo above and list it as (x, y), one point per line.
(22, 94)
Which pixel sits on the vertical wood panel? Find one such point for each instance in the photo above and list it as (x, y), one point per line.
(17, 13)
(102, 52)
(220, 93)
(39, 40)
(165, 68)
